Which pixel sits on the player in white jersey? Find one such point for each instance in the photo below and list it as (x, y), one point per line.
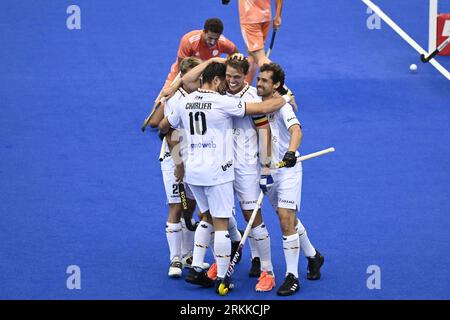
(179, 238)
(285, 194)
(206, 116)
(247, 172)
(204, 233)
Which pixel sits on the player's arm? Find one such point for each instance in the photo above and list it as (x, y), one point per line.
(267, 106)
(191, 78)
(264, 138)
(289, 159)
(277, 18)
(164, 126)
(296, 137)
(157, 116)
(173, 141)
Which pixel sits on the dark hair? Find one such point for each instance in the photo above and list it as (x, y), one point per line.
(214, 25)
(188, 63)
(241, 65)
(214, 69)
(277, 75)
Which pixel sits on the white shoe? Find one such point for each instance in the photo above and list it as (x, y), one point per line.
(176, 268)
(187, 261)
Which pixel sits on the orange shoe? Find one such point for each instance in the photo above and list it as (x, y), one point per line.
(266, 282)
(212, 272)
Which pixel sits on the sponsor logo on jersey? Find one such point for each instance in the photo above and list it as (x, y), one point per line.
(227, 165)
(290, 119)
(286, 201)
(200, 145)
(249, 202)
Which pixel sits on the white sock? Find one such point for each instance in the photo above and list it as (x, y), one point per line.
(173, 234)
(222, 249)
(187, 245)
(235, 235)
(262, 240)
(253, 245)
(291, 248)
(305, 244)
(202, 239)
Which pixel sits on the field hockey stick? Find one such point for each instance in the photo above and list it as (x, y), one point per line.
(272, 40)
(184, 205)
(224, 285)
(155, 107)
(282, 164)
(435, 52)
(162, 151)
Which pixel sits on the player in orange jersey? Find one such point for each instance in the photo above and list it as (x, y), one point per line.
(203, 44)
(255, 17)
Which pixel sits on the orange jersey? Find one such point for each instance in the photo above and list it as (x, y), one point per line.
(254, 11)
(192, 45)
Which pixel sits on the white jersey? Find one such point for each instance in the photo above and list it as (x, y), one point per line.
(206, 117)
(245, 136)
(167, 164)
(280, 122)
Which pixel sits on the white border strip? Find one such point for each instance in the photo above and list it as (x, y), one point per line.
(406, 37)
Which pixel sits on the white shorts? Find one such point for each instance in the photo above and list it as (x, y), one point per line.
(286, 191)
(247, 190)
(219, 199)
(171, 187)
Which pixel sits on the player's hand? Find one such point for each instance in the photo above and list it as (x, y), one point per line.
(292, 100)
(265, 182)
(167, 93)
(276, 23)
(237, 56)
(290, 159)
(179, 172)
(293, 103)
(225, 2)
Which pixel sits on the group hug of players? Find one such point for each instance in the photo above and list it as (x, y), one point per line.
(223, 137)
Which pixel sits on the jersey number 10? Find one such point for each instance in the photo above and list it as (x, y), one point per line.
(194, 123)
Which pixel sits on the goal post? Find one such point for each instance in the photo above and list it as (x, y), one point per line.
(432, 40)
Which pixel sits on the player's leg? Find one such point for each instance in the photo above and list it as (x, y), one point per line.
(291, 249)
(254, 36)
(248, 190)
(315, 259)
(173, 224)
(220, 198)
(202, 239)
(235, 234)
(286, 190)
(245, 202)
(187, 245)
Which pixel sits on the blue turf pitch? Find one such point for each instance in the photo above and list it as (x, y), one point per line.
(81, 185)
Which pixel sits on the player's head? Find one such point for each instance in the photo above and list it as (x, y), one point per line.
(188, 63)
(235, 74)
(212, 30)
(185, 66)
(214, 77)
(270, 79)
